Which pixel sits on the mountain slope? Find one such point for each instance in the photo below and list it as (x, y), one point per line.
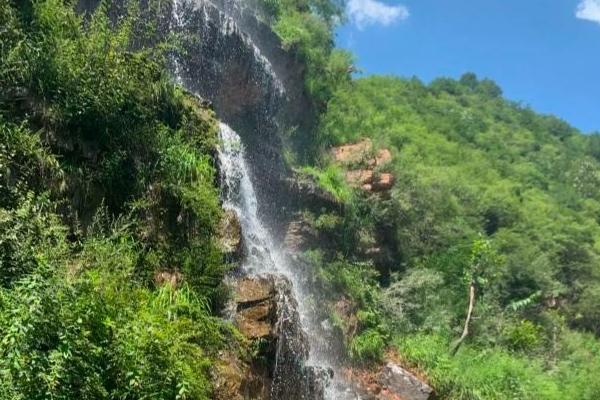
(487, 194)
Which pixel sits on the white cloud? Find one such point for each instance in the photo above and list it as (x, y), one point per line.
(363, 13)
(589, 10)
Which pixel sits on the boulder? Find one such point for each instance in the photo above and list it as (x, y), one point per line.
(401, 382)
(300, 236)
(230, 235)
(389, 381)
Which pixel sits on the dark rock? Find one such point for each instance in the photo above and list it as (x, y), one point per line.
(266, 312)
(230, 236)
(300, 236)
(305, 193)
(404, 384)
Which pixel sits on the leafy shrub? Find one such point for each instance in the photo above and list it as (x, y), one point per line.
(306, 27)
(31, 236)
(523, 336)
(105, 179)
(332, 181)
(491, 374)
(368, 346)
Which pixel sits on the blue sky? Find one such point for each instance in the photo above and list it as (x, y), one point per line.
(544, 53)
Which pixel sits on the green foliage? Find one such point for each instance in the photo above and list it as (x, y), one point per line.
(469, 162)
(487, 193)
(523, 335)
(331, 179)
(476, 374)
(367, 340)
(89, 331)
(416, 301)
(31, 237)
(368, 346)
(354, 280)
(106, 179)
(306, 27)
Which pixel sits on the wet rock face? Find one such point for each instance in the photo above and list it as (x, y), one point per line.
(256, 308)
(230, 236)
(235, 60)
(266, 313)
(232, 58)
(306, 193)
(300, 236)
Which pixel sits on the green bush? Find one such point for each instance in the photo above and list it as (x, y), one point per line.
(478, 374)
(106, 178)
(332, 181)
(368, 346)
(487, 192)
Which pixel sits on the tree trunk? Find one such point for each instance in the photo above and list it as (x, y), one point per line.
(465, 332)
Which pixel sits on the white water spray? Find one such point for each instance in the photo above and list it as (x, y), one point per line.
(263, 254)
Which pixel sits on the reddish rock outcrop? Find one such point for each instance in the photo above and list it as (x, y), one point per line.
(383, 183)
(353, 153)
(359, 177)
(362, 163)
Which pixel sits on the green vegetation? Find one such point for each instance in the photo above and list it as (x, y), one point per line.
(331, 179)
(490, 199)
(106, 181)
(306, 28)
(480, 267)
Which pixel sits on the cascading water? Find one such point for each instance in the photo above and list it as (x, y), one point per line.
(238, 194)
(227, 67)
(296, 372)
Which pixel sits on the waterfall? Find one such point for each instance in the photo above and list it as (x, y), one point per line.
(227, 67)
(238, 195)
(266, 256)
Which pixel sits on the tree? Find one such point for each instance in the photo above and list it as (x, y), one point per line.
(483, 259)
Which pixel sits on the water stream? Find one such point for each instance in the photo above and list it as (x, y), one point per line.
(303, 368)
(264, 255)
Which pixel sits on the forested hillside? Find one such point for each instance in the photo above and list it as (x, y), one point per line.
(440, 226)
(489, 195)
(106, 184)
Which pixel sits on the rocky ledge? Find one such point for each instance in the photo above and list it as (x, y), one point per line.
(266, 314)
(365, 166)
